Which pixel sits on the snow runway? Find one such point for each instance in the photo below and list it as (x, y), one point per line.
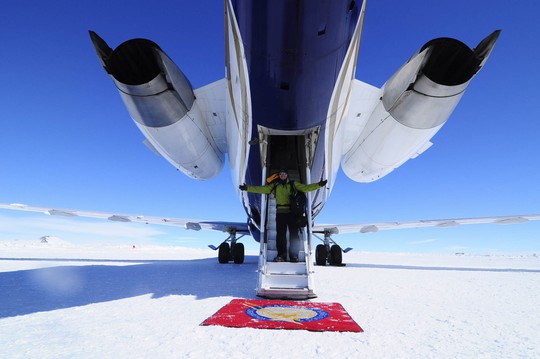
(59, 300)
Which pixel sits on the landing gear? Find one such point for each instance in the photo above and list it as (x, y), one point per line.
(320, 255)
(329, 252)
(335, 258)
(238, 253)
(230, 252)
(224, 253)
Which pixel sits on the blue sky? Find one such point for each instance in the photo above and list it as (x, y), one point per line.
(68, 142)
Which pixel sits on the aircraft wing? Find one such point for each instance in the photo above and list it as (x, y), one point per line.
(192, 224)
(242, 227)
(381, 226)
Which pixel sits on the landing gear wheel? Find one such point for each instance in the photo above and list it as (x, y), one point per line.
(336, 257)
(224, 253)
(238, 253)
(320, 255)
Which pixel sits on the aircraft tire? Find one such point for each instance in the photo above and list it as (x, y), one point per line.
(336, 257)
(320, 255)
(224, 253)
(238, 253)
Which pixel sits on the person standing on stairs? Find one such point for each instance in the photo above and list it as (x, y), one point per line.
(283, 188)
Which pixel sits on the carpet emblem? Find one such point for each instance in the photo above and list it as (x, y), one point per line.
(286, 313)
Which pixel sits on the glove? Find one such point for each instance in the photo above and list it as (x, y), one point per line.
(243, 187)
(323, 183)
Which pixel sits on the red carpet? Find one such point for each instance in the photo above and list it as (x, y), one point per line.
(284, 314)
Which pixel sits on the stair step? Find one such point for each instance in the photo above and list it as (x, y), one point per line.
(285, 281)
(286, 268)
(286, 293)
(271, 253)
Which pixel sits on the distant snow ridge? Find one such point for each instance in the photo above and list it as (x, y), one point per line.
(54, 241)
(45, 241)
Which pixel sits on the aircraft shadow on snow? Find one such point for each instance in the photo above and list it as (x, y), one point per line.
(45, 289)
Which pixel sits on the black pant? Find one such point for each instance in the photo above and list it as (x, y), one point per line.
(284, 220)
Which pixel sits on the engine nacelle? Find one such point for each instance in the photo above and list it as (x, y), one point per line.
(416, 102)
(161, 101)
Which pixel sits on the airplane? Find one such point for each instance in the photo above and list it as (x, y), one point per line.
(289, 100)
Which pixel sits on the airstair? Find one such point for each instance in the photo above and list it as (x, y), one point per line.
(284, 280)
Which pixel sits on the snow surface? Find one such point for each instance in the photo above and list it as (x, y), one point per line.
(59, 300)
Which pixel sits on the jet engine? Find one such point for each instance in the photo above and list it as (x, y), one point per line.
(416, 102)
(161, 101)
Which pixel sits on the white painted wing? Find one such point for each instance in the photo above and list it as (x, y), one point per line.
(381, 226)
(192, 224)
(242, 227)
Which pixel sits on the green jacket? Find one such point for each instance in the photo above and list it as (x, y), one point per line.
(283, 192)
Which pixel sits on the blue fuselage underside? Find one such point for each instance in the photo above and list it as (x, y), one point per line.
(294, 52)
